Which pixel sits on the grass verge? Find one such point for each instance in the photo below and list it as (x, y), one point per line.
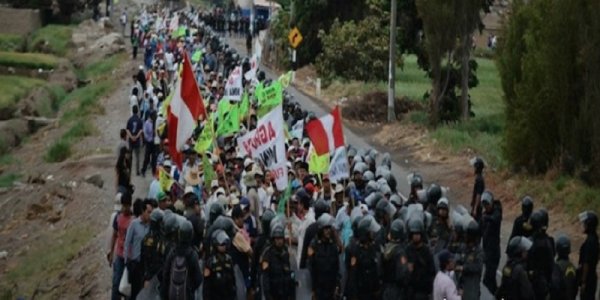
(7, 180)
(84, 101)
(28, 60)
(51, 39)
(45, 262)
(10, 42)
(62, 149)
(101, 68)
(15, 87)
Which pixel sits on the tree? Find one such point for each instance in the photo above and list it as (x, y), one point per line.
(550, 81)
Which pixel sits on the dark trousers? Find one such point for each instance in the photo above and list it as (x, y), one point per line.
(136, 277)
(491, 266)
(135, 50)
(149, 158)
(590, 288)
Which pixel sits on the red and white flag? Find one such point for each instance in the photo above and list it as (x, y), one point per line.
(326, 133)
(185, 109)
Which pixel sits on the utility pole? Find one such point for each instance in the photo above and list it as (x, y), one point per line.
(391, 115)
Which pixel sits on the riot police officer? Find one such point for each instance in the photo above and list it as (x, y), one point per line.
(420, 262)
(564, 277)
(541, 256)
(490, 225)
(151, 258)
(416, 185)
(276, 273)
(588, 256)
(478, 188)
(323, 261)
(434, 194)
(440, 232)
(521, 226)
(364, 263)
(320, 208)
(262, 243)
(395, 263)
(515, 283)
(470, 264)
(219, 280)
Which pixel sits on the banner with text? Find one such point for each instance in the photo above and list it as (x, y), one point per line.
(266, 144)
(339, 168)
(233, 87)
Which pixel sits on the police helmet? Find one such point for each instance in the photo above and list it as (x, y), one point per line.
(442, 203)
(563, 246)
(220, 238)
(589, 220)
(360, 167)
(396, 200)
(527, 205)
(487, 198)
(373, 199)
(397, 230)
(385, 189)
(518, 245)
(368, 175)
(472, 228)
(216, 209)
(261, 75)
(266, 219)
(537, 220)
(170, 223)
(478, 163)
(321, 207)
(371, 187)
(545, 217)
(434, 193)
(382, 207)
(366, 227)
(415, 225)
(278, 231)
(386, 161)
(416, 182)
(325, 220)
(226, 224)
(156, 216)
(185, 234)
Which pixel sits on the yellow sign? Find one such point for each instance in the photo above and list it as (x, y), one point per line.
(295, 37)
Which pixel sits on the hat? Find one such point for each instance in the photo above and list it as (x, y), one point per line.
(141, 67)
(233, 200)
(117, 203)
(188, 190)
(192, 177)
(179, 206)
(161, 196)
(244, 203)
(248, 162)
(445, 257)
(214, 183)
(339, 188)
(214, 84)
(167, 164)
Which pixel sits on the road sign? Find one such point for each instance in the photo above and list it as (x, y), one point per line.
(295, 37)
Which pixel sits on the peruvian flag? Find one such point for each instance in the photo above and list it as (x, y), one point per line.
(326, 133)
(185, 109)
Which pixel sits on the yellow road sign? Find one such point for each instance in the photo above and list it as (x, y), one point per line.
(295, 37)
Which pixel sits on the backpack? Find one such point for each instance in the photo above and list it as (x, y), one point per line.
(179, 274)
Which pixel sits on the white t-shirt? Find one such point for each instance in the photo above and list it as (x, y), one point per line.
(133, 101)
(169, 61)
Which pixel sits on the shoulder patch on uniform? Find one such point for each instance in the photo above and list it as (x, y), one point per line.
(506, 271)
(206, 272)
(264, 265)
(570, 271)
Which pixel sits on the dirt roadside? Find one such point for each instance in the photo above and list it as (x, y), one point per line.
(54, 224)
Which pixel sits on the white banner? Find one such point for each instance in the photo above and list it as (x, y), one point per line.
(338, 167)
(251, 74)
(297, 130)
(266, 144)
(233, 87)
(174, 22)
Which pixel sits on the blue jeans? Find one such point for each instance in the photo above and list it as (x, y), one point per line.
(118, 268)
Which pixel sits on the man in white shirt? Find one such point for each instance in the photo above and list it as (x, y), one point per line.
(444, 287)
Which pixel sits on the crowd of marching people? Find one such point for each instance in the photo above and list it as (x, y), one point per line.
(215, 224)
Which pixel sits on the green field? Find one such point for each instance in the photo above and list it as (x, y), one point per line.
(15, 87)
(28, 60)
(54, 39)
(10, 42)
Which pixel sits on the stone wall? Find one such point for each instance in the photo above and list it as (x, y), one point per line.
(19, 21)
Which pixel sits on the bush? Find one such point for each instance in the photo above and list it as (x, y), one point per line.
(28, 60)
(355, 50)
(10, 42)
(59, 151)
(53, 39)
(14, 88)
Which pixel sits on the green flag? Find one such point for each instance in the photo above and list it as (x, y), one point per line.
(230, 123)
(206, 137)
(197, 56)
(271, 95)
(245, 105)
(180, 31)
(258, 92)
(318, 164)
(222, 109)
(285, 197)
(209, 171)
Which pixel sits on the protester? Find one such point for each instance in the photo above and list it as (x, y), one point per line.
(443, 284)
(132, 249)
(115, 256)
